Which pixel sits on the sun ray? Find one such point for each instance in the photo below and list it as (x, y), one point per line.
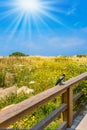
(42, 22)
(28, 28)
(30, 15)
(14, 27)
(52, 17)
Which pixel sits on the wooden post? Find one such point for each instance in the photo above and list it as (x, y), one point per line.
(67, 98)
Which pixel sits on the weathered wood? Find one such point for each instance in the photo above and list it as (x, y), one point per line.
(63, 126)
(70, 107)
(23, 108)
(77, 96)
(68, 114)
(50, 118)
(65, 100)
(75, 113)
(76, 79)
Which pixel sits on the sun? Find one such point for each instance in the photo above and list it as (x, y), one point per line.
(31, 6)
(28, 16)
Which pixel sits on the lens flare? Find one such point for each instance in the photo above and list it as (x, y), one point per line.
(27, 16)
(29, 5)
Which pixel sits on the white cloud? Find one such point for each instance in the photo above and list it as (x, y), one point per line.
(71, 11)
(84, 29)
(32, 45)
(77, 23)
(66, 42)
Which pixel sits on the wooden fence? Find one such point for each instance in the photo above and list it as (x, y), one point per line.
(18, 111)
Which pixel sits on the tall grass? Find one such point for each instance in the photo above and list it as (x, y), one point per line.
(44, 71)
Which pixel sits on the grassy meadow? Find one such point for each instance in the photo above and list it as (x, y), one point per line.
(44, 72)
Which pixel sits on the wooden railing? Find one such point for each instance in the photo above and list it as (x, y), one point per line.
(18, 111)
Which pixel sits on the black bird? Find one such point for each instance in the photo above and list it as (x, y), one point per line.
(59, 81)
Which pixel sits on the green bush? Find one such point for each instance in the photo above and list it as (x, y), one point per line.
(82, 55)
(18, 54)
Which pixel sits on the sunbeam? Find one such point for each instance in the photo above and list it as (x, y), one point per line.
(28, 15)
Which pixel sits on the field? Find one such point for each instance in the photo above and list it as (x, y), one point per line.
(43, 72)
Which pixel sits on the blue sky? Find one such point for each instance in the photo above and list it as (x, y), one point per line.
(53, 28)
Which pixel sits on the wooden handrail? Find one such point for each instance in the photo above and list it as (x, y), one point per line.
(50, 117)
(63, 126)
(77, 96)
(14, 113)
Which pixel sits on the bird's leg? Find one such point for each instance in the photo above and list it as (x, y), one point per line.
(61, 83)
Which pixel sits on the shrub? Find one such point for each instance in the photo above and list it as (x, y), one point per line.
(18, 54)
(82, 55)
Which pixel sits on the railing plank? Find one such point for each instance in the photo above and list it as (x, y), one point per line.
(63, 126)
(18, 111)
(76, 79)
(75, 113)
(77, 96)
(50, 118)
